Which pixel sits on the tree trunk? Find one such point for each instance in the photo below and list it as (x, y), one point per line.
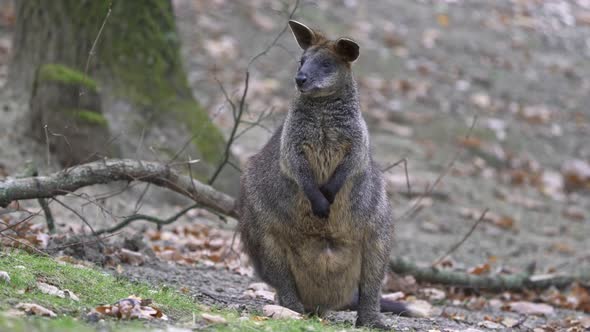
(136, 61)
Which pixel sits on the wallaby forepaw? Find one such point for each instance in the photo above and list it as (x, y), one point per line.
(321, 208)
(328, 193)
(374, 323)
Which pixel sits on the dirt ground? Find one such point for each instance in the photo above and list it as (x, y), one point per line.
(427, 68)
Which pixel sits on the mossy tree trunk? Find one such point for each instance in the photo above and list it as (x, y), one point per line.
(136, 61)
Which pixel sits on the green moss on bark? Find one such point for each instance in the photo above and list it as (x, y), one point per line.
(140, 48)
(205, 136)
(88, 117)
(63, 74)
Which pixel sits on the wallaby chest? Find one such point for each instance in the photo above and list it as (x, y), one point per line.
(324, 147)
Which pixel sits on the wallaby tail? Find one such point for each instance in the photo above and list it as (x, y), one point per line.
(394, 307)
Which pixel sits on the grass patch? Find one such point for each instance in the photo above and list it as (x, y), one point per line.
(95, 287)
(64, 323)
(92, 286)
(258, 323)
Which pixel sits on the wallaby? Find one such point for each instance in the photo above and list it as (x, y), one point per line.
(315, 217)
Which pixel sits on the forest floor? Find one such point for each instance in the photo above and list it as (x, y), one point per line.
(427, 69)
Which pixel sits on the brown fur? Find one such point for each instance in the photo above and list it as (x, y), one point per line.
(318, 158)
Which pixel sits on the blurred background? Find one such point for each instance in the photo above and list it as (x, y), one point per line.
(494, 95)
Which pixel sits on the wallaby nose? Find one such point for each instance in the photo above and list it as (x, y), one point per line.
(300, 79)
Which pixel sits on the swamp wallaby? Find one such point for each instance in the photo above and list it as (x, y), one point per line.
(315, 218)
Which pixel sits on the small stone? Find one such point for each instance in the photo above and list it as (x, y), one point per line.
(4, 277)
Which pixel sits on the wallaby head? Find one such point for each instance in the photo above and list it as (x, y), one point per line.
(325, 65)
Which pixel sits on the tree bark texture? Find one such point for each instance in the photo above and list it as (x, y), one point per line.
(136, 61)
(66, 115)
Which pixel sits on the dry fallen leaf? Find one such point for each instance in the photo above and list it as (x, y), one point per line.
(501, 221)
(537, 114)
(576, 174)
(530, 308)
(480, 269)
(481, 100)
(131, 257)
(213, 319)
(279, 312)
(433, 294)
(420, 308)
(53, 290)
(35, 309)
(131, 308)
(490, 325)
(562, 248)
(575, 213)
(264, 294)
(261, 21)
(509, 322)
(394, 283)
(393, 296)
(224, 48)
(256, 286)
(442, 20)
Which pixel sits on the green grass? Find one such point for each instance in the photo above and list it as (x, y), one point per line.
(95, 287)
(92, 286)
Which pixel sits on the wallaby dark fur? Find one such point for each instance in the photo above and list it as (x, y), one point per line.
(315, 218)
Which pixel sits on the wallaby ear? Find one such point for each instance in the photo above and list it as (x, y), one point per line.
(302, 34)
(348, 49)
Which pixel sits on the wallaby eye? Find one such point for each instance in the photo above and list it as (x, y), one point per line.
(301, 61)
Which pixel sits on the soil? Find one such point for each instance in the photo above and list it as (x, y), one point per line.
(427, 68)
(220, 288)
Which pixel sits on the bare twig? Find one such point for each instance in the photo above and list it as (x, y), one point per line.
(238, 110)
(458, 244)
(450, 166)
(237, 117)
(140, 199)
(277, 37)
(403, 161)
(78, 215)
(47, 151)
(144, 217)
(48, 215)
(93, 47)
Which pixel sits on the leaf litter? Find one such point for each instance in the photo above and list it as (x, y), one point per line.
(131, 307)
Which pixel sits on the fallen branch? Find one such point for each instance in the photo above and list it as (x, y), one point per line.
(111, 170)
(495, 283)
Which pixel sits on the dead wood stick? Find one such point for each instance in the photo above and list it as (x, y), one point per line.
(111, 170)
(495, 283)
